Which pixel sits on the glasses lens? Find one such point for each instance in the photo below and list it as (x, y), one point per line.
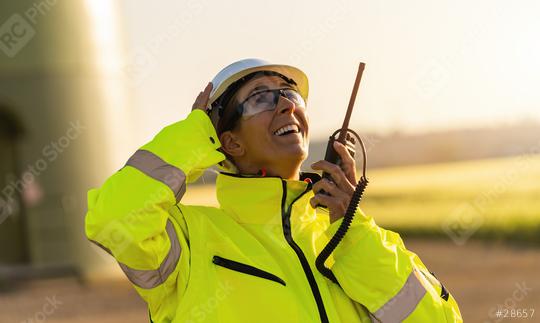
(260, 102)
(267, 100)
(295, 97)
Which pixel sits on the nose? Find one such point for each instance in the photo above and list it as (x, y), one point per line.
(285, 105)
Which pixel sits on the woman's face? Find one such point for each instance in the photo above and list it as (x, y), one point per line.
(258, 135)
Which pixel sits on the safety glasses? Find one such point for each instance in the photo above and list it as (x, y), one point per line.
(267, 100)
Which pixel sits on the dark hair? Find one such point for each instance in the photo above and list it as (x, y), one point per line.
(229, 113)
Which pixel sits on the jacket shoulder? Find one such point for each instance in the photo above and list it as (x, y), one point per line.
(198, 213)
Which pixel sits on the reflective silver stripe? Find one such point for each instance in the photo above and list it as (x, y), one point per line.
(404, 302)
(148, 279)
(152, 278)
(155, 167)
(372, 318)
(101, 246)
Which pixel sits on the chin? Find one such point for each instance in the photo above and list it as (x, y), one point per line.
(296, 153)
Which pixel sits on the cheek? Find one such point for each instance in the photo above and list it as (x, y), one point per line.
(256, 134)
(258, 125)
(303, 117)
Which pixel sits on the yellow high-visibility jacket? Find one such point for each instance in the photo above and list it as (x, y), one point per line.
(252, 259)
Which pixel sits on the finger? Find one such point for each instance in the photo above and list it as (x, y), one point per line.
(196, 104)
(333, 204)
(344, 154)
(327, 186)
(338, 176)
(206, 94)
(201, 101)
(348, 164)
(336, 206)
(339, 200)
(321, 200)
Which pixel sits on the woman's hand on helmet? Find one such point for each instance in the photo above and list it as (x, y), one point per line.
(342, 186)
(202, 99)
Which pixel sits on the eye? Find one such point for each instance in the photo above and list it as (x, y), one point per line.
(261, 101)
(264, 97)
(296, 98)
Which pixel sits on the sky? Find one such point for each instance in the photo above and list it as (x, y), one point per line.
(430, 65)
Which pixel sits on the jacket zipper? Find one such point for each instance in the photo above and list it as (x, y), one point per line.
(246, 269)
(286, 222)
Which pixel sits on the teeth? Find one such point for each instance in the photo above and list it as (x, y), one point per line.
(286, 128)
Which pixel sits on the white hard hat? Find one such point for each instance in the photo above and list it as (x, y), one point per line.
(239, 69)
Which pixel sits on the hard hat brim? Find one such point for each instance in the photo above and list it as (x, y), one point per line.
(288, 71)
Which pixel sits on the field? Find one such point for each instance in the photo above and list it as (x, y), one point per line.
(487, 199)
(496, 199)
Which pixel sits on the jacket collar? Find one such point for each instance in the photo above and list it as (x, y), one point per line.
(261, 200)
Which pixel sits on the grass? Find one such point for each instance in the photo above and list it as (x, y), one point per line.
(496, 199)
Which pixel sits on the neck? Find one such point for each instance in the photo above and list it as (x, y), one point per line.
(283, 169)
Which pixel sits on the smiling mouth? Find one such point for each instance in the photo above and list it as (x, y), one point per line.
(287, 130)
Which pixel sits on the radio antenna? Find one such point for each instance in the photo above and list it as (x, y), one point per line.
(345, 126)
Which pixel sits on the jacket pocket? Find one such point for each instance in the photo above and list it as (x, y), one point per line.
(246, 269)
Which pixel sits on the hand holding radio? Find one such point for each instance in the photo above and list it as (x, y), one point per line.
(335, 191)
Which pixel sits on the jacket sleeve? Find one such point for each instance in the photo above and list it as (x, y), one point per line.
(375, 269)
(129, 215)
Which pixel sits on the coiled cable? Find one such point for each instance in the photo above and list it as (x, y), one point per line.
(347, 218)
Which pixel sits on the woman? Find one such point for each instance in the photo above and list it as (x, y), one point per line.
(252, 258)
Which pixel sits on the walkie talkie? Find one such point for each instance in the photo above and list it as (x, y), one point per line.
(347, 137)
(344, 135)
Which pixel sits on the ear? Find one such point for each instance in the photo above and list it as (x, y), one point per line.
(231, 144)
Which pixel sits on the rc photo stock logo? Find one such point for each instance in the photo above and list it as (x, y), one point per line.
(18, 30)
(462, 223)
(15, 33)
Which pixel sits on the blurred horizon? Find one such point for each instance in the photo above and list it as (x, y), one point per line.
(424, 72)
